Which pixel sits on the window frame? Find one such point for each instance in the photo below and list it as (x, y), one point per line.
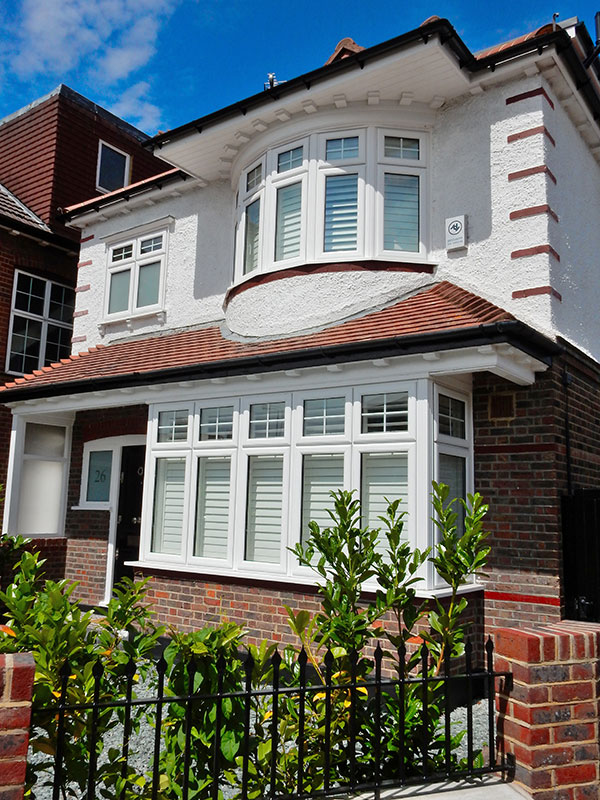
(45, 320)
(126, 171)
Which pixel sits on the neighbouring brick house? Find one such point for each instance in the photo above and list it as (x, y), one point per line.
(60, 149)
(294, 307)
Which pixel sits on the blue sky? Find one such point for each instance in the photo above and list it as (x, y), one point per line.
(160, 63)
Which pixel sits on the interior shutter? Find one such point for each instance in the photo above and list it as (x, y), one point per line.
(212, 506)
(289, 221)
(169, 493)
(341, 212)
(401, 212)
(321, 473)
(383, 475)
(452, 472)
(264, 509)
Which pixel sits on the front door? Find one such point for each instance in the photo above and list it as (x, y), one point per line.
(130, 509)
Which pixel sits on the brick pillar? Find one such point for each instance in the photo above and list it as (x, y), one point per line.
(549, 720)
(16, 685)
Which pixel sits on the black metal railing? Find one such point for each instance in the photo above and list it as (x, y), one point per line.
(287, 727)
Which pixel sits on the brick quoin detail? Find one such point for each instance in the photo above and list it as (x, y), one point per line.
(81, 313)
(76, 339)
(548, 720)
(534, 251)
(535, 291)
(87, 238)
(516, 98)
(16, 686)
(515, 137)
(86, 287)
(542, 169)
(533, 211)
(84, 264)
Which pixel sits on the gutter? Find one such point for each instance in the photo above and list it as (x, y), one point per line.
(511, 332)
(39, 234)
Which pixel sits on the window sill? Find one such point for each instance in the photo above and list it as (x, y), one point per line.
(160, 316)
(92, 507)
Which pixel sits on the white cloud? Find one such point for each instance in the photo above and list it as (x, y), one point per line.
(133, 106)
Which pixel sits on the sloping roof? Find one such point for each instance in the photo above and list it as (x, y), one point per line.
(343, 49)
(526, 37)
(434, 310)
(12, 207)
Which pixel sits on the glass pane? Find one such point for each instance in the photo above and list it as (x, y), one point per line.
(290, 159)
(44, 481)
(62, 302)
(251, 236)
(384, 477)
(212, 507)
(167, 518)
(324, 416)
(254, 177)
(338, 149)
(99, 472)
(401, 213)
(30, 294)
(216, 423)
(150, 245)
(111, 174)
(148, 285)
(401, 147)
(58, 344)
(321, 474)
(453, 473)
(123, 252)
(267, 420)
(341, 212)
(25, 345)
(264, 509)
(118, 299)
(384, 413)
(289, 221)
(452, 416)
(173, 425)
(44, 440)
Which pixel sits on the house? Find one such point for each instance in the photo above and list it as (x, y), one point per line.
(376, 274)
(59, 149)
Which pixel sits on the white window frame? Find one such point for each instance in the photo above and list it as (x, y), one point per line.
(44, 320)
(393, 169)
(127, 170)
(134, 264)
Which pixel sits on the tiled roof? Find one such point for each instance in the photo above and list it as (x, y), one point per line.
(498, 48)
(12, 207)
(440, 308)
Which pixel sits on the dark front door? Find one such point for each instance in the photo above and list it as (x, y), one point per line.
(130, 509)
(581, 555)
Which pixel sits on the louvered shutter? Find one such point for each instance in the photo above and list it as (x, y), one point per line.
(251, 235)
(212, 506)
(383, 475)
(264, 509)
(341, 212)
(289, 221)
(169, 493)
(401, 212)
(452, 472)
(321, 474)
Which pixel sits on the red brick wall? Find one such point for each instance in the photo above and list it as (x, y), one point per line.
(16, 686)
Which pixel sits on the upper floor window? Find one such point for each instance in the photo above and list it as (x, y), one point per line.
(136, 275)
(367, 190)
(113, 171)
(41, 323)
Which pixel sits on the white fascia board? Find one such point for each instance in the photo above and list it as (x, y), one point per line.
(501, 359)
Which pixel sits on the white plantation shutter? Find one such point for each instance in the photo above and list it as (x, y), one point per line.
(264, 509)
(212, 506)
(401, 212)
(169, 492)
(452, 472)
(341, 212)
(321, 474)
(383, 475)
(289, 221)
(251, 236)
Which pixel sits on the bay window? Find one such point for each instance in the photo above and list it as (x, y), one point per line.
(367, 200)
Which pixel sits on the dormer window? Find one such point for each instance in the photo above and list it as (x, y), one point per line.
(113, 169)
(354, 193)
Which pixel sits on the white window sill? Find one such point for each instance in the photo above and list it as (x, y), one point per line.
(92, 507)
(160, 316)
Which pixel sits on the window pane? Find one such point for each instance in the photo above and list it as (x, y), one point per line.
(25, 344)
(148, 285)
(167, 518)
(99, 472)
(44, 440)
(321, 474)
(384, 475)
(118, 299)
(341, 212)
(212, 507)
(216, 423)
(337, 149)
(264, 509)
(401, 213)
(150, 245)
(289, 221)
(173, 425)
(254, 177)
(62, 302)
(453, 473)
(290, 159)
(324, 416)
(30, 294)
(452, 416)
(401, 147)
(112, 169)
(44, 481)
(123, 252)
(251, 236)
(267, 420)
(58, 344)
(384, 413)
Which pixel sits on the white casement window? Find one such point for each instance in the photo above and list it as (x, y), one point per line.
(114, 168)
(368, 199)
(136, 276)
(41, 323)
